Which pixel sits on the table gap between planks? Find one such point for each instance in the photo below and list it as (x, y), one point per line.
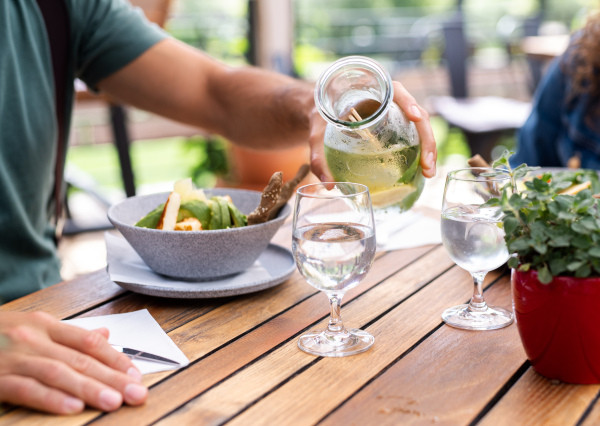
(246, 368)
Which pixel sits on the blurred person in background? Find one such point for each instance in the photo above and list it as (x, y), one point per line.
(44, 46)
(564, 126)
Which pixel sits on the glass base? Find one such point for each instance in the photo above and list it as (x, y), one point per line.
(322, 343)
(491, 318)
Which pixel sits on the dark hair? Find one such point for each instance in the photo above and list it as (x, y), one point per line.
(584, 68)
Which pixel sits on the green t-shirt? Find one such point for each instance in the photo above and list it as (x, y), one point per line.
(105, 36)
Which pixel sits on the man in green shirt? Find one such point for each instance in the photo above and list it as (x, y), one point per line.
(44, 45)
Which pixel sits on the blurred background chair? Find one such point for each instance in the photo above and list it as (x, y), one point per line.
(483, 120)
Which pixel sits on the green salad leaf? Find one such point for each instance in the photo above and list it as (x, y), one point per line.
(217, 213)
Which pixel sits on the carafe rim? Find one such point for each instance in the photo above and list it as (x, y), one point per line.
(359, 62)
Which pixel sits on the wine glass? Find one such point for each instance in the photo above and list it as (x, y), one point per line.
(474, 238)
(334, 245)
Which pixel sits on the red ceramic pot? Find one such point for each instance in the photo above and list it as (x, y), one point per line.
(559, 324)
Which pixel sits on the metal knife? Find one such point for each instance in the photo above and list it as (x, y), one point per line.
(137, 354)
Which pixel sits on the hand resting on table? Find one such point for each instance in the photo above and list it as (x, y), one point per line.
(58, 368)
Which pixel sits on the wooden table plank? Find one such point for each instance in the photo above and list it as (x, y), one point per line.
(169, 313)
(69, 298)
(226, 361)
(593, 417)
(447, 379)
(269, 371)
(275, 369)
(198, 337)
(309, 397)
(535, 400)
(207, 333)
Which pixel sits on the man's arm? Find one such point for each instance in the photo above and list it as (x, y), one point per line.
(249, 106)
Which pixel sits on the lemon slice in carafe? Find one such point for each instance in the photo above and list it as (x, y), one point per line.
(391, 196)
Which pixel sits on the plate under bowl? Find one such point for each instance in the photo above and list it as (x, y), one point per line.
(196, 255)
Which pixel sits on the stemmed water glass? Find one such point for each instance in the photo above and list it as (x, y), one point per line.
(473, 236)
(334, 246)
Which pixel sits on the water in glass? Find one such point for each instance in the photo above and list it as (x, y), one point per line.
(474, 237)
(334, 256)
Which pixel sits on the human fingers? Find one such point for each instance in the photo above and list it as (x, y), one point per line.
(28, 392)
(103, 331)
(407, 102)
(420, 117)
(94, 344)
(112, 380)
(34, 342)
(428, 146)
(318, 164)
(59, 375)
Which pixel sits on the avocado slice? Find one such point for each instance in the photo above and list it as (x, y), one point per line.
(225, 216)
(152, 218)
(216, 221)
(238, 218)
(183, 214)
(198, 209)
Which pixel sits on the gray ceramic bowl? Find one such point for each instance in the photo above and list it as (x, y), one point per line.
(196, 255)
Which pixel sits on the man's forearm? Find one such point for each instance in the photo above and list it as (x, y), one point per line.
(249, 106)
(263, 109)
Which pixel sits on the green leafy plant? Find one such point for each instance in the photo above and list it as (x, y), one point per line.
(552, 233)
(211, 154)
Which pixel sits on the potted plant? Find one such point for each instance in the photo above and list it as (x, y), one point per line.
(552, 228)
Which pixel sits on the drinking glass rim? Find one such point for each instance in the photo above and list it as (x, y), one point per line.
(504, 175)
(364, 190)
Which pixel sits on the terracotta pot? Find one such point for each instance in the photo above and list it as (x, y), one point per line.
(559, 324)
(252, 169)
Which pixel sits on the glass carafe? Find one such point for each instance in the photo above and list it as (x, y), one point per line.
(369, 140)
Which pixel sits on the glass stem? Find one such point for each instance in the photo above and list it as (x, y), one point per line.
(477, 304)
(335, 325)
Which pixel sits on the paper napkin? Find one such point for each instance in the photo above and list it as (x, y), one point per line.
(409, 230)
(137, 330)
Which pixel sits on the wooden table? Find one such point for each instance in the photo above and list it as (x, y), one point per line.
(246, 368)
(545, 48)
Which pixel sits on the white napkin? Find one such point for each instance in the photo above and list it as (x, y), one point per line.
(125, 265)
(408, 230)
(137, 330)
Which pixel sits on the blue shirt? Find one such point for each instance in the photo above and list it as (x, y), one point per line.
(557, 130)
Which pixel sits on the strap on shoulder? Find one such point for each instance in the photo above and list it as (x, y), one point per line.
(56, 19)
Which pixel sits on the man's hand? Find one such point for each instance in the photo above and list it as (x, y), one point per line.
(414, 113)
(55, 367)
(420, 117)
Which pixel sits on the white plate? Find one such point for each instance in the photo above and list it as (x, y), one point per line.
(128, 270)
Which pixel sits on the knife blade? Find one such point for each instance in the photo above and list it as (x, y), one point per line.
(137, 354)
